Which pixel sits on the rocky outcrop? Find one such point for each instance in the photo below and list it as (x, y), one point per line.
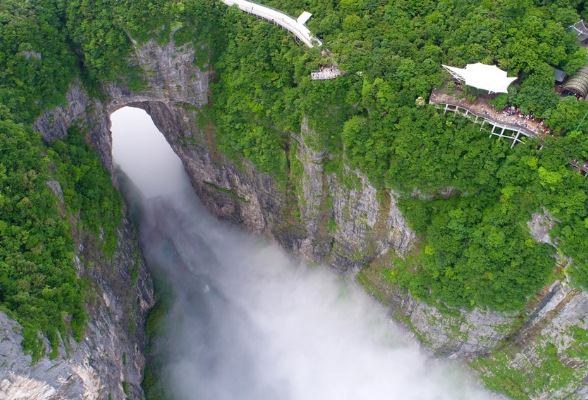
(546, 355)
(83, 112)
(540, 225)
(108, 362)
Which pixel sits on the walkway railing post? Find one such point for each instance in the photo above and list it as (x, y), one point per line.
(516, 130)
(515, 139)
(582, 121)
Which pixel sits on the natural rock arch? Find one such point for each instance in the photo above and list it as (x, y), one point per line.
(365, 228)
(175, 92)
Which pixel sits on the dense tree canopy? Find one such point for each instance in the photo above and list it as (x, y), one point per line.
(38, 279)
(36, 64)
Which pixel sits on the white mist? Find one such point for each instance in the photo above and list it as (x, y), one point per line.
(250, 323)
(143, 153)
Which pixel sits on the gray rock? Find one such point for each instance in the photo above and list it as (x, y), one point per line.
(28, 54)
(540, 225)
(109, 352)
(55, 187)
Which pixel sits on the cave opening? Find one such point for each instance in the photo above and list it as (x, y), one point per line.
(143, 153)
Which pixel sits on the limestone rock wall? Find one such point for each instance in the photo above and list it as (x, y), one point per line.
(111, 349)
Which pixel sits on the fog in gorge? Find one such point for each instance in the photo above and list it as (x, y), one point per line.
(247, 321)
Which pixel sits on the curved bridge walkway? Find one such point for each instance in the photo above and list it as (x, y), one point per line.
(296, 26)
(500, 129)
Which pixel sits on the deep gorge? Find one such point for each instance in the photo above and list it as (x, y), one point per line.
(296, 179)
(245, 320)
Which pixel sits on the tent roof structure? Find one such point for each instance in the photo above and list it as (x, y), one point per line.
(305, 16)
(578, 82)
(481, 76)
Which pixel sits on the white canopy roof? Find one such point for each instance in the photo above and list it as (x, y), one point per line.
(481, 76)
(305, 16)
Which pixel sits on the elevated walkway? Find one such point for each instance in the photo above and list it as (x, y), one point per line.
(581, 166)
(296, 26)
(501, 129)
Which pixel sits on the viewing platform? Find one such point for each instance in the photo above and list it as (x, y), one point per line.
(330, 72)
(581, 166)
(511, 127)
(295, 26)
(482, 112)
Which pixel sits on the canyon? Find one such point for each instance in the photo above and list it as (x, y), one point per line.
(339, 220)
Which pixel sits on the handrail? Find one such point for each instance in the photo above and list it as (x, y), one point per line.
(501, 124)
(276, 10)
(266, 6)
(284, 20)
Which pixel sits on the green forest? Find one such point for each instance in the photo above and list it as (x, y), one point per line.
(39, 282)
(475, 248)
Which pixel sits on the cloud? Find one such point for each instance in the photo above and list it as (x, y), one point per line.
(248, 322)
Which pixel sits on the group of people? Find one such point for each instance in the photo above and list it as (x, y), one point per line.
(514, 116)
(510, 115)
(325, 73)
(527, 121)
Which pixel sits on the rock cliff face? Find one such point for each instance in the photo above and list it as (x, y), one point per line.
(339, 219)
(108, 362)
(361, 224)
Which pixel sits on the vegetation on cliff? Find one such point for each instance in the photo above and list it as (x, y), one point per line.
(37, 277)
(475, 248)
(39, 282)
(467, 196)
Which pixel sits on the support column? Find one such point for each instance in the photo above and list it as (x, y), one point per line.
(515, 139)
(492, 133)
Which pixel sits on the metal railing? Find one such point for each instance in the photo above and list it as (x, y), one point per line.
(284, 20)
(500, 124)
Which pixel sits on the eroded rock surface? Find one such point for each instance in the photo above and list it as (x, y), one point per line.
(111, 349)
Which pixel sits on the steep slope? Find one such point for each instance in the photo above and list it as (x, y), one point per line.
(108, 362)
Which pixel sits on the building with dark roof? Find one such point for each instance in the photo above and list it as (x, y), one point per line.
(559, 75)
(581, 30)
